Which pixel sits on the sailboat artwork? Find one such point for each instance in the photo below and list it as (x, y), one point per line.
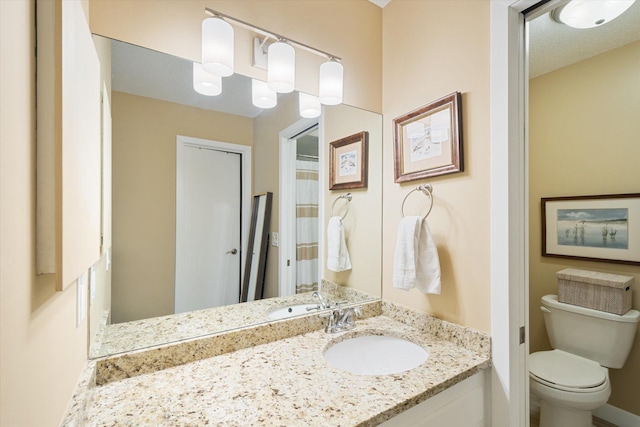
(596, 228)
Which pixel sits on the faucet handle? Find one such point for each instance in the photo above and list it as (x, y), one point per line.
(331, 323)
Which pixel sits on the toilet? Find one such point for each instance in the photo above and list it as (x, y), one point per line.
(573, 379)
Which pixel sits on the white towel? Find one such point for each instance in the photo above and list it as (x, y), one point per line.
(416, 263)
(337, 254)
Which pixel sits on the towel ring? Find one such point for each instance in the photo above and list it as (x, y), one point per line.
(347, 197)
(427, 189)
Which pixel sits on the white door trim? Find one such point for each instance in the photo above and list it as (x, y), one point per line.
(509, 218)
(287, 238)
(245, 154)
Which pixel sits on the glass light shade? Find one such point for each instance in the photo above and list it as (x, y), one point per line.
(217, 47)
(206, 83)
(309, 106)
(591, 13)
(261, 95)
(281, 67)
(331, 74)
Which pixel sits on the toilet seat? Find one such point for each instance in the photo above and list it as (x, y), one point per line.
(565, 371)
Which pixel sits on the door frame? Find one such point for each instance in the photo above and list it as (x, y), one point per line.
(245, 198)
(509, 213)
(287, 213)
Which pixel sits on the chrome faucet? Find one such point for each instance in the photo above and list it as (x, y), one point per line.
(340, 320)
(324, 303)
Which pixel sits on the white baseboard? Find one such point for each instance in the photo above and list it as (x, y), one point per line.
(617, 416)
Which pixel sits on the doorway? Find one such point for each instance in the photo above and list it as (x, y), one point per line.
(300, 207)
(210, 237)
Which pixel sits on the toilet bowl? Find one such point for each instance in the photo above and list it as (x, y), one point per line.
(573, 379)
(569, 387)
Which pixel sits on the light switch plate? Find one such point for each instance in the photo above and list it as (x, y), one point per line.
(92, 284)
(274, 238)
(81, 301)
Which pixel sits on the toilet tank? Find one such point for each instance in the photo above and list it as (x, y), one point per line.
(596, 335)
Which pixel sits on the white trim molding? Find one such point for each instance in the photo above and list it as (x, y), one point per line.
(508, 215)
(617, 416)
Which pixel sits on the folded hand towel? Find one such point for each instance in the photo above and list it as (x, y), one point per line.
(337, 254)
(416, 263)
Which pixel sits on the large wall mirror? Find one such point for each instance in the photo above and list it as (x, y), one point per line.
(175, 153)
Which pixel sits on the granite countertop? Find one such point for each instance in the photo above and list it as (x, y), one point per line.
(287, 382)
(130, 336)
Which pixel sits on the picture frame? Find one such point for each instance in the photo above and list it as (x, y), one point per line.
(428, 140)
(348, 159)
(604, 228)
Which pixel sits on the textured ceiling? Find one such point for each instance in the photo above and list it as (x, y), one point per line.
(152, 74)
(553, 45)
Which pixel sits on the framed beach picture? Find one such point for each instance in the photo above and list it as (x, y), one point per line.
(428, 141)
(597, 228)
(348, 162)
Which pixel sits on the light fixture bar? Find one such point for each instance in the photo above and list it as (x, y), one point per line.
(269, 34)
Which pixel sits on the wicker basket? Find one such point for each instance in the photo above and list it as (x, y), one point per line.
(596, 290)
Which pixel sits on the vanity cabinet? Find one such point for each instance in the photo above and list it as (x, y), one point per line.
(464, 404)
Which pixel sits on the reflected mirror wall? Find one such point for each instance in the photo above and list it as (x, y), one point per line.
(146, 122)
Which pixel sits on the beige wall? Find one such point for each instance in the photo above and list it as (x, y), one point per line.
(362, 223)
(42, 350)
(348, 29)
(584, 130)
(144, 181)
(431, 49)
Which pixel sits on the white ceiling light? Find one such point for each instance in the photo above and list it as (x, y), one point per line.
(261, 95)
(331, 75)
(590, 13)
(281, 67)
(206, 83)
(309, 106)
(217, 46)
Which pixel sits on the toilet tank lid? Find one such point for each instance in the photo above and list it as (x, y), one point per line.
(551, 301)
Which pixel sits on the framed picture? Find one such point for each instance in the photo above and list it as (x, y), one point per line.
(428, 141)
(348, 159)
(596, 228)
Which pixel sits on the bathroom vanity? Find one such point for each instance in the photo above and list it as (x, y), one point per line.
(276, 374)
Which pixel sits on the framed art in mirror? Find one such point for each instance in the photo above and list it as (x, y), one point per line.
(428, 140)
(348, 159)
(602, 228)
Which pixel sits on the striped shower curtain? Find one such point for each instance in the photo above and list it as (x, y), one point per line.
(306, 226)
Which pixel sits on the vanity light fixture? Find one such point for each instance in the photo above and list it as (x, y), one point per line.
(262, 96)
(217, 46)
(206, 83)
(590, 13)
(330, 87)
(309, 105)
(281, 67)
(281, 61)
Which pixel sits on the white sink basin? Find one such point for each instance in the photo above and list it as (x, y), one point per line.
(291, 310)
(375, 355)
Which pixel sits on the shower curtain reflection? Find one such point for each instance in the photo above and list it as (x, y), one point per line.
(306, 224)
